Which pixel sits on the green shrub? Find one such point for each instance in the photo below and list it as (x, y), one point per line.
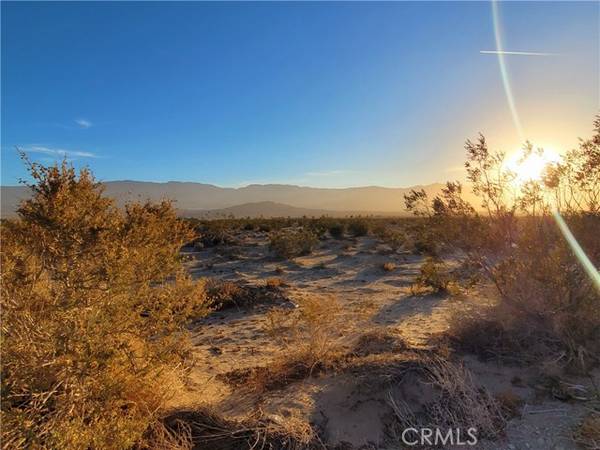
(390, 236)
(214, 233)
(337, 230)
(434, 274)
(264, 227)
(290, 243)
(358, 227)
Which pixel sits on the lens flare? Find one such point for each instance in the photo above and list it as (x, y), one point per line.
(588, 266)
(503, 70)
(532, 165)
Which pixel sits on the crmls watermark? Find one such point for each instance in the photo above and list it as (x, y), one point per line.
(439, 436)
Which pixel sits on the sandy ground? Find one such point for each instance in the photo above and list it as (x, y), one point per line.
(350, 409)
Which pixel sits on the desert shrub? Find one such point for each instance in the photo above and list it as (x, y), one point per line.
(222, 294)
(94, 300)
(278, 323)
(435, 275)
(315, 327)
(547, 306)
(388, 266)
(379, 230)
(389, 235)
(337, 230)
(214, 233)
(319, 321)
(358, 227)
(425, 245)
(489, 336)
(290, 243)
(546, 289)
(264, 227)
(319, 226)
(274, 283)
(395, 239)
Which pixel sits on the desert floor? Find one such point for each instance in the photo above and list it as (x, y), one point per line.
(350, 408)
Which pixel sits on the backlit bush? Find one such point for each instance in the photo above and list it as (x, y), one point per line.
(545, 293)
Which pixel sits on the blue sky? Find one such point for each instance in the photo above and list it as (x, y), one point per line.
(318, 94)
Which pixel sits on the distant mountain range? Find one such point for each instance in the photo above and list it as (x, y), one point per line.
(269, 200)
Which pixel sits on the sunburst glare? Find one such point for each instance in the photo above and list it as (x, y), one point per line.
(529, 165)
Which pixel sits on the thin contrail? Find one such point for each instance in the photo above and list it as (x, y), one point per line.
(505, 52)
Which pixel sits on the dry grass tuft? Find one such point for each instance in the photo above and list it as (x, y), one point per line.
(455, 402)
(587, 434)
(203, 428)
(510, 403)
(378, 341)
(274, 283)
(310, 336)
(227, 294)
(388, 266)
(294, 366)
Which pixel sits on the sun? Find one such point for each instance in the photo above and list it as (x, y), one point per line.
(530, 166)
